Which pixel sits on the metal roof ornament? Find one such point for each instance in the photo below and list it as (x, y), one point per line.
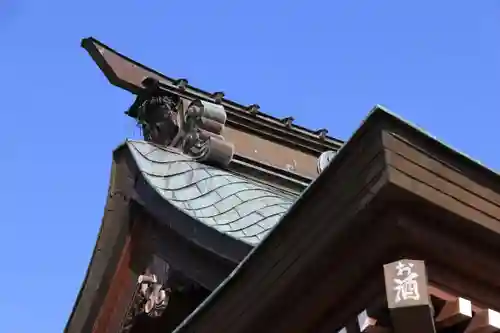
(218, 96)
(324, 160)
(200, 129)
(288, 121)
(321, 133)
(196, 130)
(181, 84)
(253, 109)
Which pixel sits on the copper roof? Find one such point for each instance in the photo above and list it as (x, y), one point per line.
(229, 203)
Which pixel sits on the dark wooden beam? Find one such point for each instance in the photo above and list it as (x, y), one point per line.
(371, 321)
(408, 298)
(454, 312)
(485, 321)
(204, 268)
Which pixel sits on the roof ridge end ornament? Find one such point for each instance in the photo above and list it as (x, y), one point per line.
(218, 96)
(253, 109)
(200, 132)
(181, 84)
(194, 128)
(325, 159)
(288, 121)
(321, 133)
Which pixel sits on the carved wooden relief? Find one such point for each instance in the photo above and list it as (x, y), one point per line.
(152, 294)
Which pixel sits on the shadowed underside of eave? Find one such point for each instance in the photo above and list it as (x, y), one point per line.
(451, 313)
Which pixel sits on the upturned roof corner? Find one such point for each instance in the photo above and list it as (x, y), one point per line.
(134, 77)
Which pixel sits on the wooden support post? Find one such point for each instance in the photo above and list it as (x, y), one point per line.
(454, 312)
(408, 298)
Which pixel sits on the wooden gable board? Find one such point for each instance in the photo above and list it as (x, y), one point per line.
(283, 285)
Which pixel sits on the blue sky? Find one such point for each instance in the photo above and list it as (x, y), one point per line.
(436, 63)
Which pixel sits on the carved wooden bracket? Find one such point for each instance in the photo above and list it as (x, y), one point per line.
(154, 297)
(151, 298)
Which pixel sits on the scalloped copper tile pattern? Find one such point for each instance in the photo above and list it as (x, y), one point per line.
(231, 204)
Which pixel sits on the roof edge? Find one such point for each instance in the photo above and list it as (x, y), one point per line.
(237, 111)
(382, 113)
(100, 244)
(378, 114)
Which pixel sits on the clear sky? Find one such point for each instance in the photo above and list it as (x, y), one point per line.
(436, 63)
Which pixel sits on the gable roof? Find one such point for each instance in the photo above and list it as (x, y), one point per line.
(387, 167)
(231, 204)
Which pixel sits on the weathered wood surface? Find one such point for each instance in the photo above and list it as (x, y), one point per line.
(128, 74)
(287, 265)
(451, 313)
(374, 175)
(108, 249)
(122, 284)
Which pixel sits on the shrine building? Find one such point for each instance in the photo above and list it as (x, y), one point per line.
(224, 219)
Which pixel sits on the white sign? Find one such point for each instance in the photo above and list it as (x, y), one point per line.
(406, 286)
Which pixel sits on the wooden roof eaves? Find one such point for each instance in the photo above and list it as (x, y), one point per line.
(121, 191)
(440, 150)
(379, 121)
(309, 202)
(100, 265)
(238, 114)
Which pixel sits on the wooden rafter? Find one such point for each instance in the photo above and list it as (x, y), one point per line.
(450, 313)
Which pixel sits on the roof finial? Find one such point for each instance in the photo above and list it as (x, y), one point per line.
(218, 96)
(321, 133)
(181, 84)
(288, 121)
(253, 109)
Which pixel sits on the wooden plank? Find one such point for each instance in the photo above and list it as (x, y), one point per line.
(425, 238)
(454, 312)
(486, 321)
(373, 319)
(267, 274)
(278, 276)
(482, 295)
(368, 322)
(338, 296)
(306, 243)
(407, 296)
(464, 195)
(432, 163)
(268, 152)
(123, 283)
(448, 203)
(108, 249)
